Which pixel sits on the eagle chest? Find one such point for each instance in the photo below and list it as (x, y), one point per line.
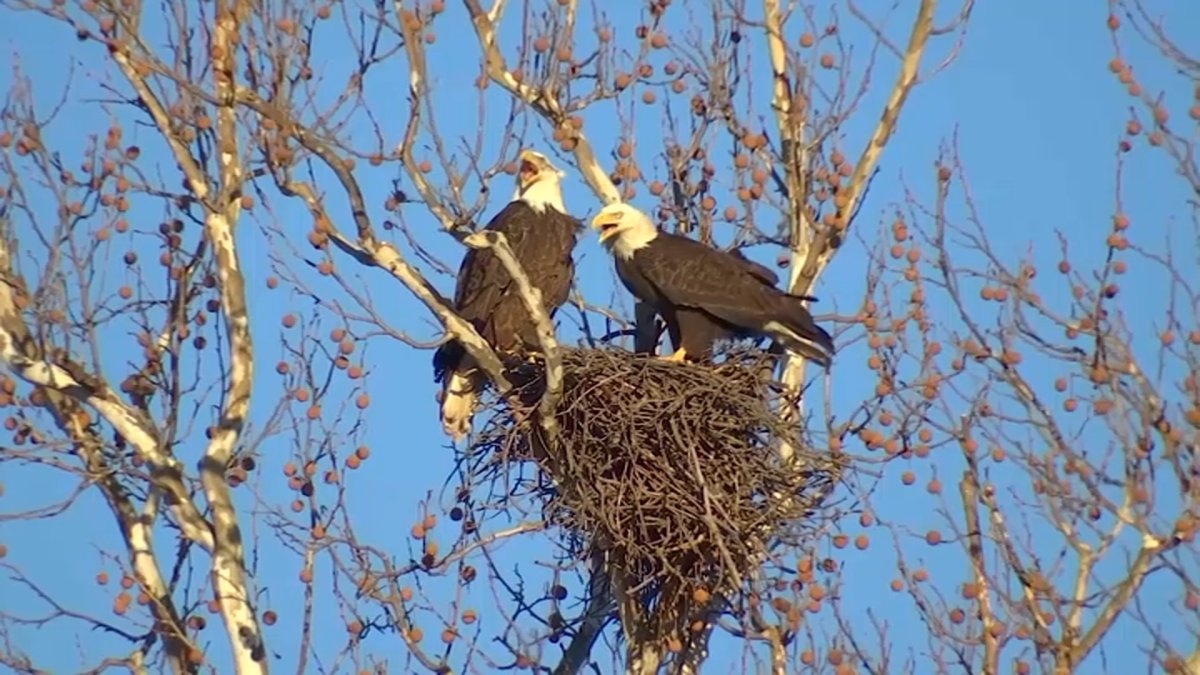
(636, 281)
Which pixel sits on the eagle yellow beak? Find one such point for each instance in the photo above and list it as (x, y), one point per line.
(527, 168)
(606, 224)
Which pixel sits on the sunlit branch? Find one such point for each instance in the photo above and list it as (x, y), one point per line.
(532, 298)
(548, 107)
(228, 564)
(19, 351)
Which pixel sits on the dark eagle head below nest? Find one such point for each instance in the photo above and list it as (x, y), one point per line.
(624, 229)
(538, 182)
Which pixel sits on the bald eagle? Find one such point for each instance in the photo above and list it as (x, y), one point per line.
(704, 294)
(542, 237)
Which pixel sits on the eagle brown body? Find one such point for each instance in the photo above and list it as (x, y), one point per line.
(486, 296)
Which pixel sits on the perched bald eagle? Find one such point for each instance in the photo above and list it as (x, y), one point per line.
(542, 237)
(704, 294)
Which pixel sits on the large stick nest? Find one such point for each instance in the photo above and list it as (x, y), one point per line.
(671, 471)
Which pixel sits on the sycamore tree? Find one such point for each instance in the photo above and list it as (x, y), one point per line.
(229, 232)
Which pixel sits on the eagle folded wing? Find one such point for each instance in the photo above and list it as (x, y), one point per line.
(706, 279)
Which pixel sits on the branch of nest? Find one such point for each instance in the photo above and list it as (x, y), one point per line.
(668, 471)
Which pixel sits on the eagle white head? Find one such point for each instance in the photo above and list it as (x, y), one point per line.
(624, 229)
(538, 182)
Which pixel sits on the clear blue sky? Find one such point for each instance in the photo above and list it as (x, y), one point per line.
(1037, 115)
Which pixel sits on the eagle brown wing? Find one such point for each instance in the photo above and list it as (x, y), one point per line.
(690, 274)
(692, 329)
(763, 273)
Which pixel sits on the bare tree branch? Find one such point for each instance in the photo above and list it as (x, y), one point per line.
(532, 298)
(228, 565)
(542, 101)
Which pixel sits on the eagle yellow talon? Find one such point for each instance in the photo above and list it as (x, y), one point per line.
(678, 357)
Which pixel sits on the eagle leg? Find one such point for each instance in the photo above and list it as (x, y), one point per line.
(678, 357)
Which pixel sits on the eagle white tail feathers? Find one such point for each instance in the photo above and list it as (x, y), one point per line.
(809, 351)
(803, 337)
(460, 395)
